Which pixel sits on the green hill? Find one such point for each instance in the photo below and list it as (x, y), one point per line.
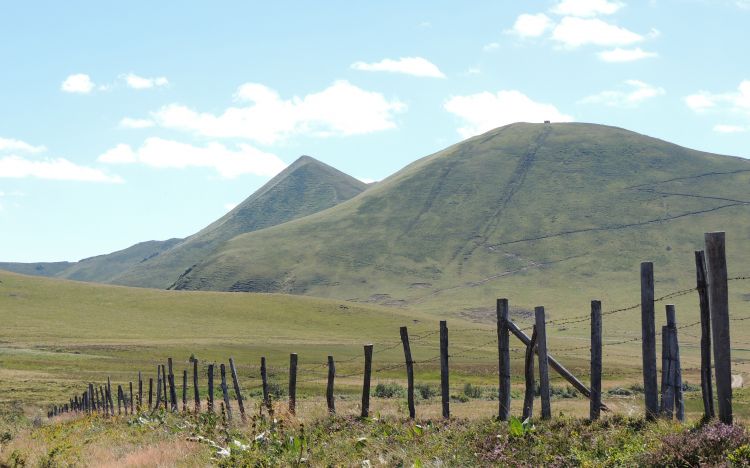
(37, 269)
(552, 214)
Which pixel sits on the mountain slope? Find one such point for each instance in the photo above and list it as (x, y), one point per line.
(36, 269)
(305, 187)
(538, 212)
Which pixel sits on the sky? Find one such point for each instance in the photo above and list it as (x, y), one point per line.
(131, 121)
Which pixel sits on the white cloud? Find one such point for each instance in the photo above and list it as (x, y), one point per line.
(474, 71)
(128, 122)
(138, 82)
(625, 55)
(724, 128)
(79, 83)
(10, 144)
(527, 25)
(491, 46)
(586, 8)
(575, 32)
(229, 163)
(484, 111)
(17, 167)
(735, 102)
(340, 109)
(415, 66)
(637, 93)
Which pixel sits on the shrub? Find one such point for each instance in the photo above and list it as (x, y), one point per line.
(426, 391)
(708, 445)
(389, 390)
(471, 391)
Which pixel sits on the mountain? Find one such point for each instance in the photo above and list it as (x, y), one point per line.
(305, 187)
(36, 269)
(555, 213)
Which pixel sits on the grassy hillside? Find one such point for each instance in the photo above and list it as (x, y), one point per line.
(543, 214)
(37, 269)
(305, 187)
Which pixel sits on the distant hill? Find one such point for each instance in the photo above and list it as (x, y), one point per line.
(543, 213)
(37, 269)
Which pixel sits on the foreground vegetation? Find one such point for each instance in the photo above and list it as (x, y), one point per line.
(281, 439)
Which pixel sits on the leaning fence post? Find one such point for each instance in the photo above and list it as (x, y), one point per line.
(196, 389)
(409, 371)
(366, 382)
(225, 391)
(444, 375)
(528, 397)
(706, 380)
(718, 294)
(648, 338)
(158, 386)
(596, 360)
(211, 388)
(293, 383)
(503, 366)
(237, 391)
(329, 387)
(264, 378)
(541, 351)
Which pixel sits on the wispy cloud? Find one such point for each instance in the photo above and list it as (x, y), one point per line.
(168, 154)
(737, 102)
(725, 128)
(484, 111)
(138, 82)
(586, 8)
(18, 167)
(619, 55)
(636, 93)
(11, 144)
(414, 66)
(127, 122)
(575, 32)
(528, 25)
(342, 109)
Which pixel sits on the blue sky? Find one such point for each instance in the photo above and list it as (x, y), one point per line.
(148, 120)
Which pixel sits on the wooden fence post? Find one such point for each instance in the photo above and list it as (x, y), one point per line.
(444, 374)
(503, 366)
(366, 382)
(718, 294)
(109, 397)
(667, 374)
(293, 383)
(158, 386)
(225, 391)
(264, 379)
(172, 388)
(674, 351)
(706, 379)
(165, 381)
(196, 389)
(409, 372)
(140, 391)
(528, 397)
(541, 351)
(184, 390)
(237, 391)
(119, 400)
(596, 361)
(211, 388)
(131, 396)
(150, 391)
(648, 338)
(329, 387)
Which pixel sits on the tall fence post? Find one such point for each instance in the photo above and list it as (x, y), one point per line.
(150, 392)
(541, 351)
(444, 373)
(131, 396)
(718, 294)
(648, 338)
(211, 388)
(667, 375)
(366, 382)
(225, 391)
(184, 390)
(109, 397)
(293, 383)
(528, 397)
(595, 401)
(172, 387)
(158, 387)
(409, 372)
(706, 380)
(164, 387)
(503, 365)
(329, 387)
(237, 391)
(196, 389)
(140, 391)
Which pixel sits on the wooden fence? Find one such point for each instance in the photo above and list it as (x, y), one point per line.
(665, 401)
